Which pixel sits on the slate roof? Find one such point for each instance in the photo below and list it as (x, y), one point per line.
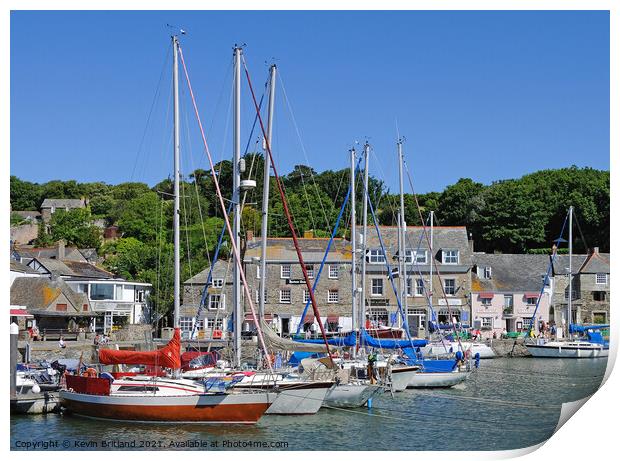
(63, 203)
(37, 293)
(219, 271)
(70, 268)
(30, 252)
(16, 266)
(596, 263)
(312, 250)
(510, 272)
(28, 214)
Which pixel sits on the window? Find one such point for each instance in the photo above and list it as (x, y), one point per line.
(409, 286)
(487, 322)
(601, 279)
(285, 296)
(419, 287)
(140, 296)
(215, 324)
(599, 295)
(257, 271)
(377, 287)
(99, 291)
(486, 301)
(306, 296)
(258, 296)
(332, 296)
(449, 286)
(333, 271)
(216, 301)
(419, 256)
(200, 325)
(531, 300)
(61, 307)
(508, 302)
(217, 283)
(376, 257)
(487, 272)
(574, 293)
(186, 323)
(450, 256)
(310, 270)
(527, 322)
(285, 271)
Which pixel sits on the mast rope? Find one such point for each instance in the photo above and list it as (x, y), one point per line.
(289, 219)
(236, 252)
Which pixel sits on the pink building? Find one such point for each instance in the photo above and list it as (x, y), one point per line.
(506, 290)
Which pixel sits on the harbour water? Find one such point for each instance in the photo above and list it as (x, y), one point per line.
(508, 403)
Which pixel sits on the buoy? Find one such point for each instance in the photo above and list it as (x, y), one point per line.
(369, 403)
(36, 389)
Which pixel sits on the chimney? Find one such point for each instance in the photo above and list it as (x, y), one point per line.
(470, 241)
(61, 249)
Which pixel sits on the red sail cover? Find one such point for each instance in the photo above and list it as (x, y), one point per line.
(168, 356)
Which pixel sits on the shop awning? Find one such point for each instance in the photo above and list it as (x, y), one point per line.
(309, 318)
(532, 295)
(485, 295)
(21, 313)
(332, 319)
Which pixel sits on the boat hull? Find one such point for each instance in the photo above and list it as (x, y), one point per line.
(566, 352)
(202, 408)
(434, 349)
(437, 379)
(350, 395)
(303, 398)
(402, 376)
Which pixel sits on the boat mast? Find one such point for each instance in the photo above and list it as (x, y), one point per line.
(401, 227)
(430, 273)
(353, 247)
(177, 211)
(570, 268)
(238, 308)
(364, 237)
(267, 166)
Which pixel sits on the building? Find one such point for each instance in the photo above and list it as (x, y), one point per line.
(218, 304)
(21, 270)
(51, 205)
(506, 290)
(52, 303)
(590, 288)
(286, 293)
(115, 301)
(451, 256)
(25, 253)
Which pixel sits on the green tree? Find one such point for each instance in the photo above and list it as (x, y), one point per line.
(75, 227)
(25, 195)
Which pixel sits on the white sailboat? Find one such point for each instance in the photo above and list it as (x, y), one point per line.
(570, 349)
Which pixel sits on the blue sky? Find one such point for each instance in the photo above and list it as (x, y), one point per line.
(486, 95)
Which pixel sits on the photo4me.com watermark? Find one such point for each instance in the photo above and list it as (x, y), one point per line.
(115, 444)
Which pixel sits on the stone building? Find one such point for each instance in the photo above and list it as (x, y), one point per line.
(286, 294)
(505, 290)
(51, 205)
(451, 256)
(590, 288)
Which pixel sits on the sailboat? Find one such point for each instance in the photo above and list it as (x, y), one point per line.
(593, 346)
(157, 398)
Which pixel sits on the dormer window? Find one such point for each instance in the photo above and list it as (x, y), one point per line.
(450, 256)
(486, 273)
(417, 256)
(376, 256)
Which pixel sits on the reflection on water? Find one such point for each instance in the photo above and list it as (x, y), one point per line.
(508, 403)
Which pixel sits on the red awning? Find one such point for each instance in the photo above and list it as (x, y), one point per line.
(309, 318)
(532, 295)
(332, 319)
(485, 295)
(20, 313)
(267, 317)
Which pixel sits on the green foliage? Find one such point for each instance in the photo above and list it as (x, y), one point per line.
(75, 227)
(25, 195)
(141, 215)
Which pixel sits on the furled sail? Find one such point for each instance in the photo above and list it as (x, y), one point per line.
(340, 341)
(276, 342)
(168, 356)
(391, 343)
